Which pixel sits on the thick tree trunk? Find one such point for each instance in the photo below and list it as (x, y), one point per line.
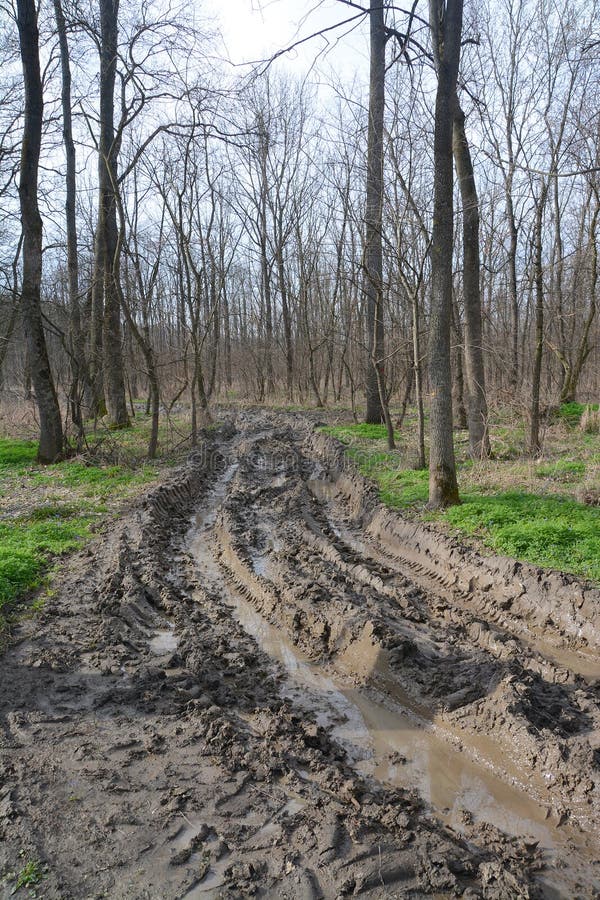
(477, 412)
(106, 236)
(373, 256)
(51, 444)
(446, 26)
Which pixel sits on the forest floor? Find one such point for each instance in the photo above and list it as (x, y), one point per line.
(544, 511)
(259, 679)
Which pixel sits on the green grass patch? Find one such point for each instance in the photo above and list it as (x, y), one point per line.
(51, 510)
(553, 531)
(545, 531)
(27, 545)
(100, 481)
(571, 413)
(30, 875)
(561, 469)
(398, 487)
(17, 453)
(347, 433)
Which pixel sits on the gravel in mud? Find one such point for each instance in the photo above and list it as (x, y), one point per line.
(259, 682)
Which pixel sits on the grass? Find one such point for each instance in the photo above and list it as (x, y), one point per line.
(30, 875)
(48, 511)
(28, 543)
(572, 412)
(527, 509)
(348, 433)
(555, 532)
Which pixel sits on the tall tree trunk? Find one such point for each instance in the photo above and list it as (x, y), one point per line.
(373, 256)
(287, 325)
(446, 26)
(96, 319)
(585, 348)
(459, 413)
(227, 334)
(513, 287)
(6, 338)
(538, 274)
(51, 433)
(477, 412)
(106, 236)
(265, 269)
(418, 370)
(79, 373)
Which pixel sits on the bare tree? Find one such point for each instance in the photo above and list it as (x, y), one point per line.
(106, 274)
(477, 412)
(373, 254)
(446, 28)
(79, 371)
(51, 444)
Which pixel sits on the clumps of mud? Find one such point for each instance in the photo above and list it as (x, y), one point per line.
(357, 588)
(148, 747)
(516, 595)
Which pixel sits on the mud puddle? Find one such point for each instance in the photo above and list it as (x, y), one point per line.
(164, 641)
(383, 735)
(393, 746)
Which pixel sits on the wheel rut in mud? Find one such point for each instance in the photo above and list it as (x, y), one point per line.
(264, 683)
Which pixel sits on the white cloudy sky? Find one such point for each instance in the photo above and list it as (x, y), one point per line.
(256, 29)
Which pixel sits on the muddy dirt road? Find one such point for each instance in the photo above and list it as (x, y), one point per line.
(262, 683)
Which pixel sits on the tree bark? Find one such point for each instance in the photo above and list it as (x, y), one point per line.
(538, 272)
(373, 256)
(265, 268)
(107, 269)
(477, 412)
(51, 444)
(512, 285)
(418, 370)
(446, 27)
(287, 325)
(79, 372)
(459, 412)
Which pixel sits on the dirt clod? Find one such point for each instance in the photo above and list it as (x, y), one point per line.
(243, 688)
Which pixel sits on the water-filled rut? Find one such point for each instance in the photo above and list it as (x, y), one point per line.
(261, 682)
(341, 615)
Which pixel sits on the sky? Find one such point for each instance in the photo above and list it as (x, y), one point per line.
(256, 29)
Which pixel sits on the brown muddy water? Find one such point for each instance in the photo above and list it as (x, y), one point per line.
(392, 743)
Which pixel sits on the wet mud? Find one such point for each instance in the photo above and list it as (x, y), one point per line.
(261, 682)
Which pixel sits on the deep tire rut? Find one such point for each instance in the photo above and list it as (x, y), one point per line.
(190, 714)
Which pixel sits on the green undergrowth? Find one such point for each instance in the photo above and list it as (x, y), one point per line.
(28, 543)
(571, 413)
(360, 430)
(521, 508)
(47, 511)
(546, 531)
